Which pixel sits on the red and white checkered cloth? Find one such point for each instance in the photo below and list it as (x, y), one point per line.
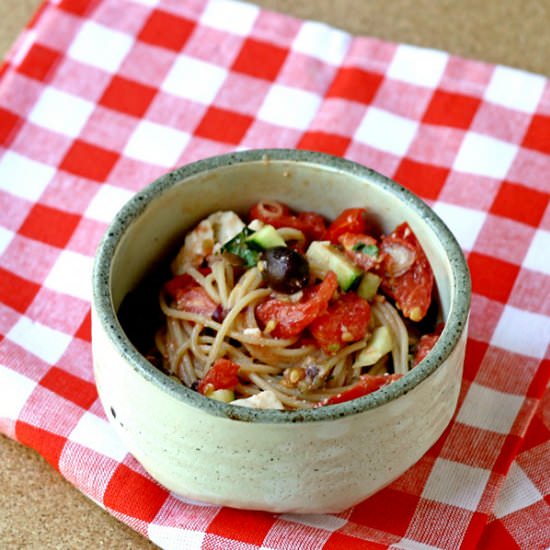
(97, 98)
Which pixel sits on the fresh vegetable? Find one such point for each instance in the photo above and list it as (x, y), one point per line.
(380, 343)
(285, 319)
(279, 215)
(361, 249)
(196, 300)
(240, 246)
(351, 220)
(266, 237)
(366, 384)
(284, 269)
(345, 321)
(368, 287)
(399, 256)
(324, 257)
(222, 375)
(411, 289)
(426, 343)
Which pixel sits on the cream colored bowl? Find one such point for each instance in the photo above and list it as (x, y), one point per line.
(317, 460)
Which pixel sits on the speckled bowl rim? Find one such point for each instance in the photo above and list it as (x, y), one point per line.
(456, 323)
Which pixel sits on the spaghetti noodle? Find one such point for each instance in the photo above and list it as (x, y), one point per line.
(230, 335)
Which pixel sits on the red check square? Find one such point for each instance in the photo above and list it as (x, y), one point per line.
(484, 282)
(9, 123)
(495, 535)
(70, 387)
(16, 292)
(355, 84)
(338, 540)
(508, 451)
(229, 521)
(222, 125)
(49, 445)
(538, 134)
(128, 96)
(133, 494)
(537, 434)
(539, 382)
(451, 109)
(166, 30)
(373, 511)
(324, 143)
(89, 161)
(77, 7)
(423, 179)
(49, 225)
(39, 62)
(520, 203)
(475, 351)
(260, 59)
(84, 331)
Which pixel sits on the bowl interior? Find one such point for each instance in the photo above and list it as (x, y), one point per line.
(153, 224)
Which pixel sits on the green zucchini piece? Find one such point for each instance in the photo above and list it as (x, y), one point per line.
(368, 287)
(266, 237)
(324, 257)
(380, 343)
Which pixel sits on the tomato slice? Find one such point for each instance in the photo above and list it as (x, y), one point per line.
(179, 283)
(291, 318)
(183, 282)
(366, 384)
(277, 214)
(362, 249)
(195, 300)
(345, 321)
(351, 220)
(222, 375)
(411, 290)
(313, 225)
(426, 343)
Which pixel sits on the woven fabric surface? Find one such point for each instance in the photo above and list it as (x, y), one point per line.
(98, 98)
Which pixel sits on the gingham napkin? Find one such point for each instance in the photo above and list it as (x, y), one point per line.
(97, 98)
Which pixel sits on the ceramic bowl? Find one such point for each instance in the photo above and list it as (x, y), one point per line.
(317, 460)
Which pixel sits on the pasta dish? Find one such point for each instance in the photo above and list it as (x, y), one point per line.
(285, 310)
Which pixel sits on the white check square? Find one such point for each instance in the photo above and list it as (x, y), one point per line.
(515, 89)
(175, 537)
(464, 223)
(419, 66)
(522, 332)
(71, 274)
(321, 41)
(20, 388)
(61, 112)
(194, 79)
(538, 255)
(290, 107)
(489, 409)
(228, 15)
(6, 237)
(484, 155)
(386, 132)
(24, 177)
(107, 202)
(456, 484)
(150, 3)
(40, 340)
(97, 434)
(100, 46)
(156, 144)
(517, 492)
